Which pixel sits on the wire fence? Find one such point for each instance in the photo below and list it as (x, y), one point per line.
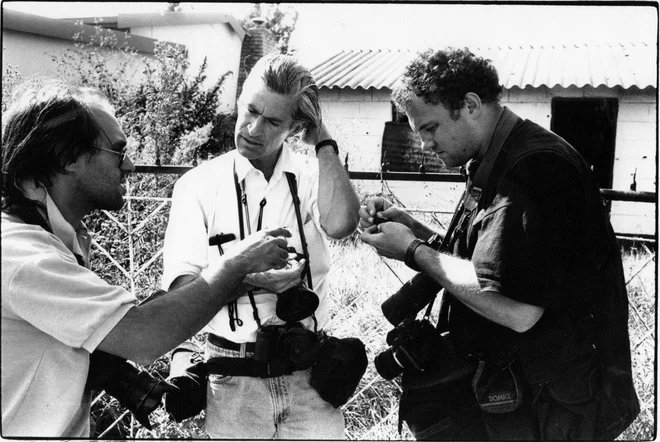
(128, 250)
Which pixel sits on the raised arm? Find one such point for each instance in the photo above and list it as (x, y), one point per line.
(337, 200)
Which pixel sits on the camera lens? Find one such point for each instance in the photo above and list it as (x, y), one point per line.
(411, 298)
(296, 304)
(387, 366)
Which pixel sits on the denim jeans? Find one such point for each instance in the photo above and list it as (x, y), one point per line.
(284, 407)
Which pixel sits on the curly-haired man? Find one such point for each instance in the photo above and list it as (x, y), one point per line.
(534, 304)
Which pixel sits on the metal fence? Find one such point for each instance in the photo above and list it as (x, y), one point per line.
(128, 250)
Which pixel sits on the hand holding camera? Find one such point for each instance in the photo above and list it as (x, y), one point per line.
(277, 281)
(261, 251)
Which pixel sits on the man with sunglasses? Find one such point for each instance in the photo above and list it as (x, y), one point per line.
(63, 156)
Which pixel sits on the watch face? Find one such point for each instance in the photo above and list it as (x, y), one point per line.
(435, 241)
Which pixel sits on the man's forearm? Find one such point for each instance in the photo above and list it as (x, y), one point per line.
(458, 276)
(422, 231)
(338, 202)
(150, 330)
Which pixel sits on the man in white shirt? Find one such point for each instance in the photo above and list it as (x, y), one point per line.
(64, 155)
(246, 190)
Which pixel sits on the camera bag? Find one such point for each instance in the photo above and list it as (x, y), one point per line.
(189, 374)
(338, 369)
(498, 389)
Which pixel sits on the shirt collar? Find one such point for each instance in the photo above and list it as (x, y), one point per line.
(284, 164)
(77, 240)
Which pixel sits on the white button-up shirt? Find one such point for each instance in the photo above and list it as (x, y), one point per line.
(205, 204)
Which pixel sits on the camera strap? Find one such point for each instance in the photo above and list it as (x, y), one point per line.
(232, 307)
(293, 188)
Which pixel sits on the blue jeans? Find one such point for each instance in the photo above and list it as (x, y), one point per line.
(284, 407)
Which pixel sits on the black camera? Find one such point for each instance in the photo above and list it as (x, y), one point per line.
(411, 341)
(411, 348)
(410, 298)
(298, 302)
(293, 345)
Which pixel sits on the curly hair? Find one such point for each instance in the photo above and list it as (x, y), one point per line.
(445, 76)
(283, 75)
(49, 127)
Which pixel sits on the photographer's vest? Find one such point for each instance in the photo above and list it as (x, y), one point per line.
(601, 334)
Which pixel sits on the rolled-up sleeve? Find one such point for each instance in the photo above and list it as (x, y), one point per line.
(185, 250)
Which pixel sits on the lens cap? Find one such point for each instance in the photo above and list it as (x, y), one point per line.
(296, 304)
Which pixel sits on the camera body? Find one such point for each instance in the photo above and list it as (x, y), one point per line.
(411, 349)
(291, 345)
(412, 341)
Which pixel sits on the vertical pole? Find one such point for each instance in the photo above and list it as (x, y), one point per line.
(129, 229)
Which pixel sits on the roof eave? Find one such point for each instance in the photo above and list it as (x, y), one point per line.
(66, 30)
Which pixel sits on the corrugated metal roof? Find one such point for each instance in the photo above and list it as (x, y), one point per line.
(609, 64)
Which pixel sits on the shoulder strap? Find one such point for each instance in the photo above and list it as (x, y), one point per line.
(238, 202)
(293, 187)
(501, 132)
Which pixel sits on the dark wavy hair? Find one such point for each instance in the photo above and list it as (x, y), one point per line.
(445, 76)
(47, 128)
(283, 75)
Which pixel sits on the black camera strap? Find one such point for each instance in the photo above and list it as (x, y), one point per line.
(293, 188)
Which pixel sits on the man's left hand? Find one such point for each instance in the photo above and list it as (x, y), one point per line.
(390, 239)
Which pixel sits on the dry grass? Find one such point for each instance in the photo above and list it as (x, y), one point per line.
(360, 281)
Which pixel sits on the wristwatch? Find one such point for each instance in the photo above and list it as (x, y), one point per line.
(409, 258)
(327, 142)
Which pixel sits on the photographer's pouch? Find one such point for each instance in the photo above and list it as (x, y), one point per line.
(189, 373)
(338, 370)
(498, 389)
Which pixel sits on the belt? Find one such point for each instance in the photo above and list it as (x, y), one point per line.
(248, 367)
(221, 342)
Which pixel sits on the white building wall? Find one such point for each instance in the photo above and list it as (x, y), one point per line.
(357, 119)
(217, 41)
(33, 55)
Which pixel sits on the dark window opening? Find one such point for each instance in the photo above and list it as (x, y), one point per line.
(589, 125)
(398, 116)
(402, 149)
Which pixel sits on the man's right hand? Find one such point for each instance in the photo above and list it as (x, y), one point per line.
(378, 210)
(263, 250)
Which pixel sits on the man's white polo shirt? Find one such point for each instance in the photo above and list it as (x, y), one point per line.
(54, 314)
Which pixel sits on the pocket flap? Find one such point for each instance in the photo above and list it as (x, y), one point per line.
(575, 385)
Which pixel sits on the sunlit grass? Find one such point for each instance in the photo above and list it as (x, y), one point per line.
(360, 281)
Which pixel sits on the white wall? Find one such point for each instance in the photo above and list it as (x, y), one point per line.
(357, 119)
(33, 54)
(218, 42)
